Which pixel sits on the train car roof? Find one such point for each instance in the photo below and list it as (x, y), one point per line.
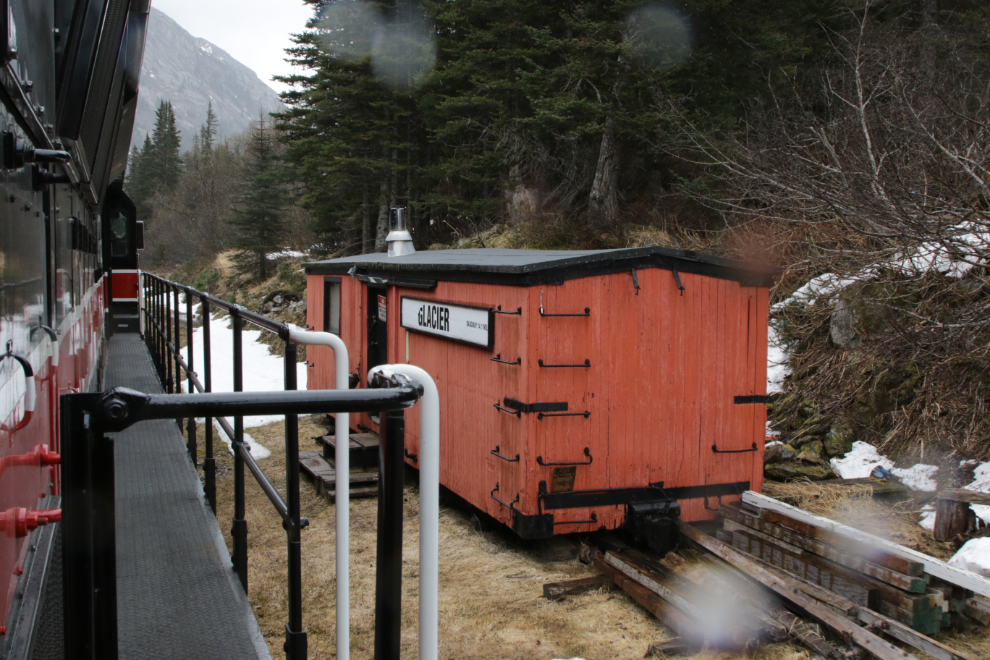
(529, 267)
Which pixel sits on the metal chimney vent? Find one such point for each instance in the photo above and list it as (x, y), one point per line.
(399, 239)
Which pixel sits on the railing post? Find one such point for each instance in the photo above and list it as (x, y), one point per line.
(160, 318)
(89, 557)
(295, 637)
(163, 324)
(191, 422)
(167, 309)
(153, 314)
(175, 347)
(209, 464)
(388, 576)
(238, 531)
(143, 311)
(153, 310)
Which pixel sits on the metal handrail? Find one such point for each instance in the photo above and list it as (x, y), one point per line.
(162, 326)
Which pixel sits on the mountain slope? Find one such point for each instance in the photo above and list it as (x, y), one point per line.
(190, 72)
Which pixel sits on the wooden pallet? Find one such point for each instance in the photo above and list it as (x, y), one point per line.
(363, 449)
(363, 483)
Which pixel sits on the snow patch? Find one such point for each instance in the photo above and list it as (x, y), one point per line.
(256, 449)
(981, 484)
(918, 477)
(263, 372)
(777, 362)
(860, 461)
(823, 286)
(291, 254)
(974, 556)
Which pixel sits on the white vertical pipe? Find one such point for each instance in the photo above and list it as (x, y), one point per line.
(342, 466)
(429, 503)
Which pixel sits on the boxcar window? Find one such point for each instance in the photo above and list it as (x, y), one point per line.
(331, 305)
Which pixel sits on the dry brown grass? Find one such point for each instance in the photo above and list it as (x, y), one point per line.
(491, 603)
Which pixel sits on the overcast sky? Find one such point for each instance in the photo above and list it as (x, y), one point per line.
(254, 32)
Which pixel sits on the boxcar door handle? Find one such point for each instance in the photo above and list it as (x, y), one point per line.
(510, 505)
(587, 310)
(495, 451)
(733, 451)
(518, 311)
(587, 452)
(586, 414)
(587, 363)
(498, 358)
(517, 413)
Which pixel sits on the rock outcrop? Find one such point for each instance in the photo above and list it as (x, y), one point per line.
(192, 72)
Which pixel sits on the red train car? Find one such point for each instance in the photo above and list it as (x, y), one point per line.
(580, 390)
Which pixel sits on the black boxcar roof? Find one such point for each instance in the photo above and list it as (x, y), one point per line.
(530, 267)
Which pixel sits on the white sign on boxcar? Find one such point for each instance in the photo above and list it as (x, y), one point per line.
(472, 325)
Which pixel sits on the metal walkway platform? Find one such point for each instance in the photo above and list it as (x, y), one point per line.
(177, 596)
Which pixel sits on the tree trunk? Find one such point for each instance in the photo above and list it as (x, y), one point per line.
(367, 243)
(929, 9)
(603, 201)
(383, 206)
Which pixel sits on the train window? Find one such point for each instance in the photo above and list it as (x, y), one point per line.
(118, 229)
(331, 305)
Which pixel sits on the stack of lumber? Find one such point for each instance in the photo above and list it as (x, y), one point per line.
(318, 466)
(893, 586)
(362, 447)
(902, 584)
(782, 572)
(323, 475)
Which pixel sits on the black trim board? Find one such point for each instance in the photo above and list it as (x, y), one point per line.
(532, 527)
(615, 496)
(712, 490)
(752, 398)
(409, 283)
(537, 407)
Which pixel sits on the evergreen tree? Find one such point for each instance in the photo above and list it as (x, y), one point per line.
(352, 141)
(558, 97)
(257, 221)
(141, 178)
(208, 132)
(165, 159)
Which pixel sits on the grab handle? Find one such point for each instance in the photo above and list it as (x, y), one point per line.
(587, 452)
(495, 452)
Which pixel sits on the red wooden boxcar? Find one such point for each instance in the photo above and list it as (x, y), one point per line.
(580, 390)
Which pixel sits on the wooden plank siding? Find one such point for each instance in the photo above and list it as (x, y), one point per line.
(665, 368)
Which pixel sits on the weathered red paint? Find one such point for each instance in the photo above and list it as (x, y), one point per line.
(665, 368)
